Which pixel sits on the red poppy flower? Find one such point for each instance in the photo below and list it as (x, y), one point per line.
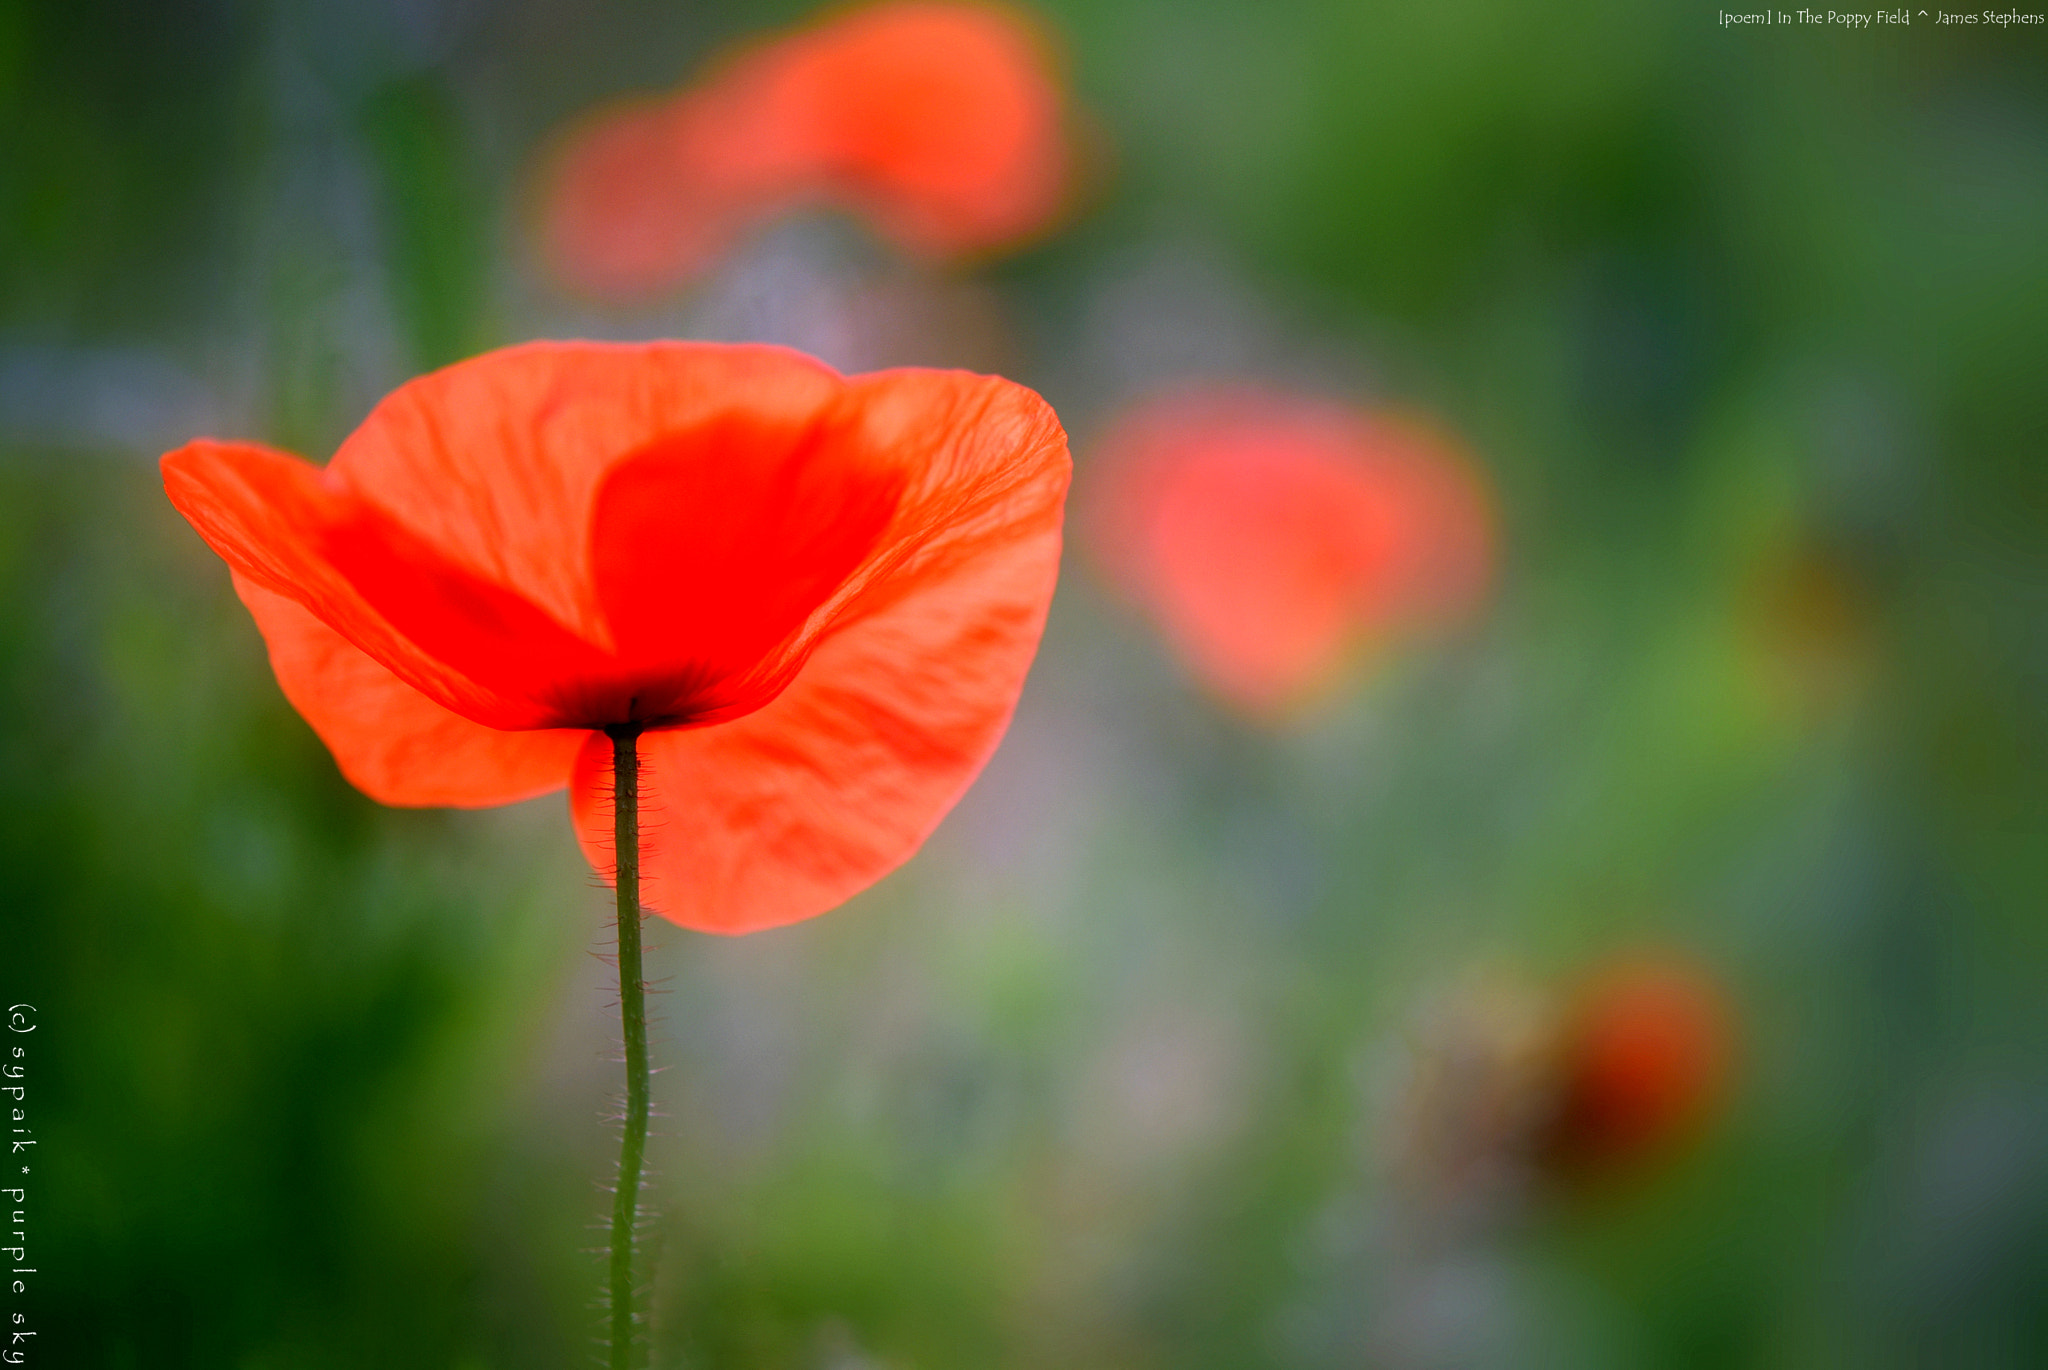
(938, 121)
(819, 594)
(1643, 1059)
(628, 210)
(1271, 535)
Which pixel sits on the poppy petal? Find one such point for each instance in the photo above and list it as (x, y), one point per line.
(792, 809)
(788, 514)
(983, 463)
(279, 523)
(915, 669)
(978, 463)
(496, 462)
(392, 742)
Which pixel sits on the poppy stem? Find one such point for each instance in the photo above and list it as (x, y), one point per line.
(633, 1015)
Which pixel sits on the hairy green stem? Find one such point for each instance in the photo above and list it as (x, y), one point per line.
(633, 1014)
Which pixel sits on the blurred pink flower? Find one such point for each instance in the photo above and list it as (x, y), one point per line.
(1272, 535)
(940, 122)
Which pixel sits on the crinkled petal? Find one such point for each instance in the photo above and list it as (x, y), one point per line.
(908, 684)
(392, 742)
(496, 462)
(793, 809)
(711, 548)
(983, 465)
(279, 523)
(906, 477)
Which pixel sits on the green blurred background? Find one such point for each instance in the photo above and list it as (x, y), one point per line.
(1750, 327)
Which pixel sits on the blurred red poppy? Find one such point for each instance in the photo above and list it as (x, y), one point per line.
(819, 595)
(1642, 1061)
(1271, 534)
(628, 209)
(938, 121)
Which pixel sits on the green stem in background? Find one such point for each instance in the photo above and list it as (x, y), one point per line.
(633, 1013)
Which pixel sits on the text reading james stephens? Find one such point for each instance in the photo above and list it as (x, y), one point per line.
(1879, 18)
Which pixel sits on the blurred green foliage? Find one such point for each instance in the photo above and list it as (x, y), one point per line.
(1749, 326)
